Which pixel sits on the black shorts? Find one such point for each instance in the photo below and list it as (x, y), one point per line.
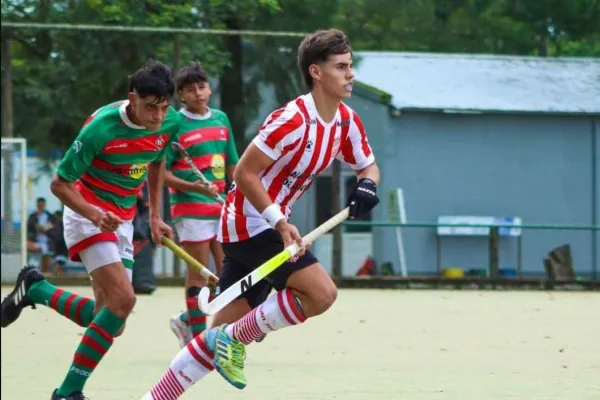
(243, 257)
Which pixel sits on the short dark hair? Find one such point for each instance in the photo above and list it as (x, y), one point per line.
(194, 72)
(316, 48)
(153, 79)
(40, 199)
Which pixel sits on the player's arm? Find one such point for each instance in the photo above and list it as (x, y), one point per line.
(184, 186)
(247, 178)
(264, 150)
(357, 152)
(75, 163)
(156, 172)
(371, 172)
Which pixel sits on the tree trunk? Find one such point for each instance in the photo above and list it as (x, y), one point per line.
(232, 85)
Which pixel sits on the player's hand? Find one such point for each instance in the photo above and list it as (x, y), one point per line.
(289, 233)
(107, 222)
(210, 190)
(363, 198)
(159, 229)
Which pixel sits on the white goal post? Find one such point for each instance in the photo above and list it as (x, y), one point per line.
(14, 207)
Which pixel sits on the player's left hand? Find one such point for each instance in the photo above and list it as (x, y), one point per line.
(363, 198)
(159, 228)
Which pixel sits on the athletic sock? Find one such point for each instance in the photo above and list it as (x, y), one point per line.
(196, 318)
(183, 317)
(191, 364)
(96, 341)
(76, 308)
(278, 311)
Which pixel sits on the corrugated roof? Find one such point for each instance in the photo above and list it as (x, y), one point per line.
(426, 81)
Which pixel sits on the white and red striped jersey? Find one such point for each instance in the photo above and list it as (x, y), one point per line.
(302, 146)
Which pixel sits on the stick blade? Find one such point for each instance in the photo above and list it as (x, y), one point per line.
(203, 301)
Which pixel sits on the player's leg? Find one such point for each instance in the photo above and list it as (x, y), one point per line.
(195, 360)
(109, 264)
(304, 290)
(114, 283)
(194, 236)
(32, 287)
(217, 252)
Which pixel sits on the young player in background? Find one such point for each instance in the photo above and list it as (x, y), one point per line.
(207, 137)
(98, 180)
(296, 143)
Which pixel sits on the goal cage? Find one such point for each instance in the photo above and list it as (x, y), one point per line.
(14, 207)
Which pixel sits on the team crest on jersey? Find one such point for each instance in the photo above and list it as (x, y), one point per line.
(160, 142)
(309, 146)
(77, 145)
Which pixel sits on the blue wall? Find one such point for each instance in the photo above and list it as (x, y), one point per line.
(535, 167)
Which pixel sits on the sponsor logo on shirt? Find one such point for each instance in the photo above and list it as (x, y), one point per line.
(218, 166)
(77, 145)
(193, 137)
(135, 171)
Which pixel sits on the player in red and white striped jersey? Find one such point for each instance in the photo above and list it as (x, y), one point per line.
(295, 144)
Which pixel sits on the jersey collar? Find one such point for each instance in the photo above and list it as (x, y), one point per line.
(125, 118)
(191, 115)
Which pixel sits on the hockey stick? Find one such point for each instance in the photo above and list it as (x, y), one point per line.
(177, 147)
(185, 256)
(244, 284)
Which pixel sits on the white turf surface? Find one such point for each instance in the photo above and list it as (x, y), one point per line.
(414, 345)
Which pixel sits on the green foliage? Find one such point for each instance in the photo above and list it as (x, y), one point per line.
(60, 77)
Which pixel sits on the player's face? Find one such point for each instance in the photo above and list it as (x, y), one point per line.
(149, 111)
(337, 75)
(196, 96)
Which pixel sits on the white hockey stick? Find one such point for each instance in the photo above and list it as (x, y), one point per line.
(244, 284)
(177, 147)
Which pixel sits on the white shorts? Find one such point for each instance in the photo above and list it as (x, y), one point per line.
(196, 230)
(81, 235)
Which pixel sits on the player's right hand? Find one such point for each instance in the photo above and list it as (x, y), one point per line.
(108, 222)
(212, 190)
(289, 233)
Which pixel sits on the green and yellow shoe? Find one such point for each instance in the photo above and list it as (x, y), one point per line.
(229, 356)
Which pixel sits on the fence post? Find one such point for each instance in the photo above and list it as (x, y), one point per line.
(493, 249)
(335, 208)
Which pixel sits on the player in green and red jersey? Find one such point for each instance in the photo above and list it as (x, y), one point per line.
(207, 136)
(98, 180)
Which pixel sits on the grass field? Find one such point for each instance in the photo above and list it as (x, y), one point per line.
(373, 344)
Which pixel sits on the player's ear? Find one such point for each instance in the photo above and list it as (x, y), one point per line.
(315, 72)
(131, 98)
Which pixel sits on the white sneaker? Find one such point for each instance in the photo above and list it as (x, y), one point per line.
(180, 329)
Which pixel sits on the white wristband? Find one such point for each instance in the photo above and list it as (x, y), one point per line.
(272, 215)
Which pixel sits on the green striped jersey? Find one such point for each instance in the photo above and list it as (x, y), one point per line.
(210, 143)
(109, 159)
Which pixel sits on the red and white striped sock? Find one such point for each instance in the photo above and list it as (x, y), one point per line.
(278, 311)
(192, 363)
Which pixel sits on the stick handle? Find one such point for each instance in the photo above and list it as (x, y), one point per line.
(177, 147)
(320, 230)
(185, 256)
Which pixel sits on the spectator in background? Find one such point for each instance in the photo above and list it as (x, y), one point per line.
(58, 246)
(38, 225)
